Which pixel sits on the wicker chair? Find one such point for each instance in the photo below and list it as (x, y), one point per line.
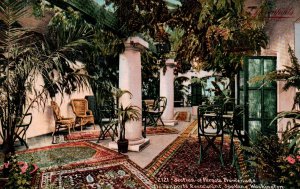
(83, 114)
(60, 121)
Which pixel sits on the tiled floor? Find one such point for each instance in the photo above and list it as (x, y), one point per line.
(142, 158)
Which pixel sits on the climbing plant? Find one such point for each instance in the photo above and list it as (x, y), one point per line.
(217, 34)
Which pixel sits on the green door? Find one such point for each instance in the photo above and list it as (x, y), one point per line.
(259, 101)
(196, 94)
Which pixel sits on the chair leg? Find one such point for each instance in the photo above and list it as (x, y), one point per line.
(234, 157)
(53, 134)
(201, 151)
(73, 126)
(231, 143)
(221, 152)
(161, 121)
(101, 136)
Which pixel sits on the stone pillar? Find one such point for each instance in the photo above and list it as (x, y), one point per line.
(167, 90)
(130, 78)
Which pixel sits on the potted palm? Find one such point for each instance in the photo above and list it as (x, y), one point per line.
(125, 114)
(25, 56)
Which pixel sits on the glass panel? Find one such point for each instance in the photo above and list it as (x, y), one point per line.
(270, 106)
(209, 87)
(269, 66)
(254, 70)
(241, 97)
(254, 104)
(254, 128)
(269, 129)
(241, 79)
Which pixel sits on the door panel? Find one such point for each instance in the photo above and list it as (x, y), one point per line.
(259, 100)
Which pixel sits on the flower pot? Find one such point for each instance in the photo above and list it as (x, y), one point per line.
(25, 168)
(122, 146)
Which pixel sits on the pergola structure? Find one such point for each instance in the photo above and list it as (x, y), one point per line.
(129, 65)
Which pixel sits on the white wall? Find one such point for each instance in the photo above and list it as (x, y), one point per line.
(297, 40)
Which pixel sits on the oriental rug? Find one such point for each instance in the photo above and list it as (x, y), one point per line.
(161, 130)
(121, 173)
(83, 135)
(183, 116)
(178, 166)
(71, 153)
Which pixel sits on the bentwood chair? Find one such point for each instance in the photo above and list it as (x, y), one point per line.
(210, 131)
(155, 114)
(84, 116)
(21, 129)
(108, 120)
(60, 121)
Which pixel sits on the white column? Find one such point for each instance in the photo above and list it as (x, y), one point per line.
(130, 79)
(167, 90)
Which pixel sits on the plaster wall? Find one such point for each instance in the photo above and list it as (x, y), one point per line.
(43, 119)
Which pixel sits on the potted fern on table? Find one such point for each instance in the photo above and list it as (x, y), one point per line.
(125, 114)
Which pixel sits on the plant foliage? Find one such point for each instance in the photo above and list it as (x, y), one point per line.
(217, 34)
(27, 57)
(274, 162)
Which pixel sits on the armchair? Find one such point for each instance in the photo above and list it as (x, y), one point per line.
(60, 121)
(83, 114)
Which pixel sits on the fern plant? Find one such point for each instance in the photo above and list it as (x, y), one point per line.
(263, 155)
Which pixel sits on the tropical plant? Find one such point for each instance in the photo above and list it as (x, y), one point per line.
(217, 34)
(290, 74)
(26, 57)
(273, 161)
(139, 16)
(125, 114)
(290, 170)
(264, 153)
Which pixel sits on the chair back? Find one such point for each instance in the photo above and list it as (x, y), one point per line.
(107, 111)
(149, 104)
(160, 104)
(238, 118)
(202, 109)
(79, 106)
(216, 121)
(56, 111)
(26, 120)
(229, 105)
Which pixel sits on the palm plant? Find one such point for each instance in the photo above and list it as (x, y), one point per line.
(125, 114)
(26, 55)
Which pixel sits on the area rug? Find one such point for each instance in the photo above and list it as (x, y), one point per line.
(178, 166)
(71, 153)
(122, 173)
(161, 130)
(183, 116)
(82, 135)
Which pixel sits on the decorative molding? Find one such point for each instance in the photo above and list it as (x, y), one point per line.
(136, 43)
(171, 63)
